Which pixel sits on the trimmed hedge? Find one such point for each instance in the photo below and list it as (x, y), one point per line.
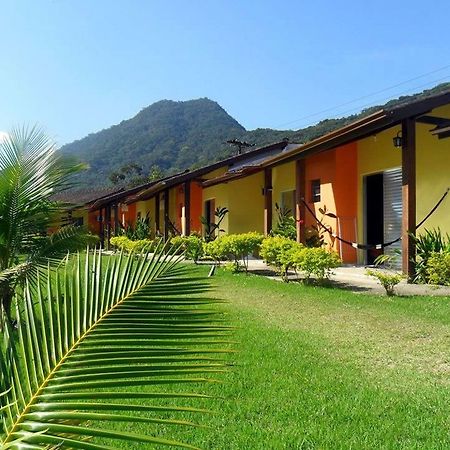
(285, 254)
(192, 246)
(438, 268)
(237, 247)
(129, 246)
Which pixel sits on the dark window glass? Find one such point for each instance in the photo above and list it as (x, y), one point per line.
(315, 191)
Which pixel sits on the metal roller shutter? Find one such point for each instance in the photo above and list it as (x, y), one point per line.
(392, 181)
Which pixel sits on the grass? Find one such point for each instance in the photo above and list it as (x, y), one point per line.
(320, 368)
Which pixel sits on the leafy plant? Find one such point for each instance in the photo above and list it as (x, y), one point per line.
(130, 246)
(313, 237)
(32, 172)
(427, 243)
(237, 247)
(285, 223)
(278, 251)
(316, 261)
(387, 279)
(141, 229)
(86, 334)
(438, 268)
(191, 245)
(212, 227)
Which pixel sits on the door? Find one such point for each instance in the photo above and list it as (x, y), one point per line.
(392, 210)
(383, 212)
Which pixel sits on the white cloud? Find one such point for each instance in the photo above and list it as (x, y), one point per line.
(3, 135)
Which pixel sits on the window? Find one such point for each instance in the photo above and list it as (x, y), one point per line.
(315, 191)
(78, 221)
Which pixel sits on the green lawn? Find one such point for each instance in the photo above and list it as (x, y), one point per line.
(320, 368)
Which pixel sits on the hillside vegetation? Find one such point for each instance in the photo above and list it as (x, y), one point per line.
(179, 135)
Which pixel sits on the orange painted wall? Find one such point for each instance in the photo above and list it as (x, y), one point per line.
(92, 222)
(337, 172)
(346, 197)
(127, 214)
(196, 206)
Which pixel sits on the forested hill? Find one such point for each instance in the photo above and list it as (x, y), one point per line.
(180, 135)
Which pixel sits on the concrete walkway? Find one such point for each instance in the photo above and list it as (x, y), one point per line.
(355, 279)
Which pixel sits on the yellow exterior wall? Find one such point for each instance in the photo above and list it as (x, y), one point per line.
(283, 179)
(145, 207)
(244, 200)
(219, 193)
(433, 174)
(375, 154)
(246, 204)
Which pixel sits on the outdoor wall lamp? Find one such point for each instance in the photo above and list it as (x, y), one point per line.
(397, 140)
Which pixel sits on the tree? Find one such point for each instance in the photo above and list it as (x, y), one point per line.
(31, 173)
(155, 173)
(129, 174)
(99, 347)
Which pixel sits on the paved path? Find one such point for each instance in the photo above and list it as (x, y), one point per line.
(354, 278)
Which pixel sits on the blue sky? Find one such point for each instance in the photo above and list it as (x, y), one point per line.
(77, 66)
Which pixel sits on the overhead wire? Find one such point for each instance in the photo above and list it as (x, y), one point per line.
(440, 69)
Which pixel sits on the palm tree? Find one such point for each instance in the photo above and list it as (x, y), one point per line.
(92, 339)
(31, 173)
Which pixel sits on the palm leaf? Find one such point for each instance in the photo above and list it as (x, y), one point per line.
(87, 336)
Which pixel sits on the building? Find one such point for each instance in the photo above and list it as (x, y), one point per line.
(369, 183)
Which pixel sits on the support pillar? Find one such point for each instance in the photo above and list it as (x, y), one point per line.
(157, 219)
(166, 214)
(408, 197)
(108, 225)
(187, 207)
(101, 227)
(300, 193)
(267, 191)
(116, 219)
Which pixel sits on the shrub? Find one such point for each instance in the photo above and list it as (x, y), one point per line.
(234, 246)
(316, 261)
(141, 229)
(129, 246)
(387, 279)
(192, 246)
(313, 238)
(438, 268)
(427, 244)
(278, 251)
(285, 224)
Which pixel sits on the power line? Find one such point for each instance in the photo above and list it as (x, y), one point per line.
(384, 99)
(364, 96)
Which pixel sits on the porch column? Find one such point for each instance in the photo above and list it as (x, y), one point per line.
(116, 219)
(408, 196)
(101, 227)
(166, 214)
(157, 207)
(108, 225)
(267, 201)
(187, 207)
(300, 193)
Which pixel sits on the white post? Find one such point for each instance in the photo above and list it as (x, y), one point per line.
(183, 220)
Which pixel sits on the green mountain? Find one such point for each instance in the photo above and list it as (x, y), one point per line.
(179, 135)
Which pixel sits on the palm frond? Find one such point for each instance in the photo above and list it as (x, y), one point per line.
(89, 335)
